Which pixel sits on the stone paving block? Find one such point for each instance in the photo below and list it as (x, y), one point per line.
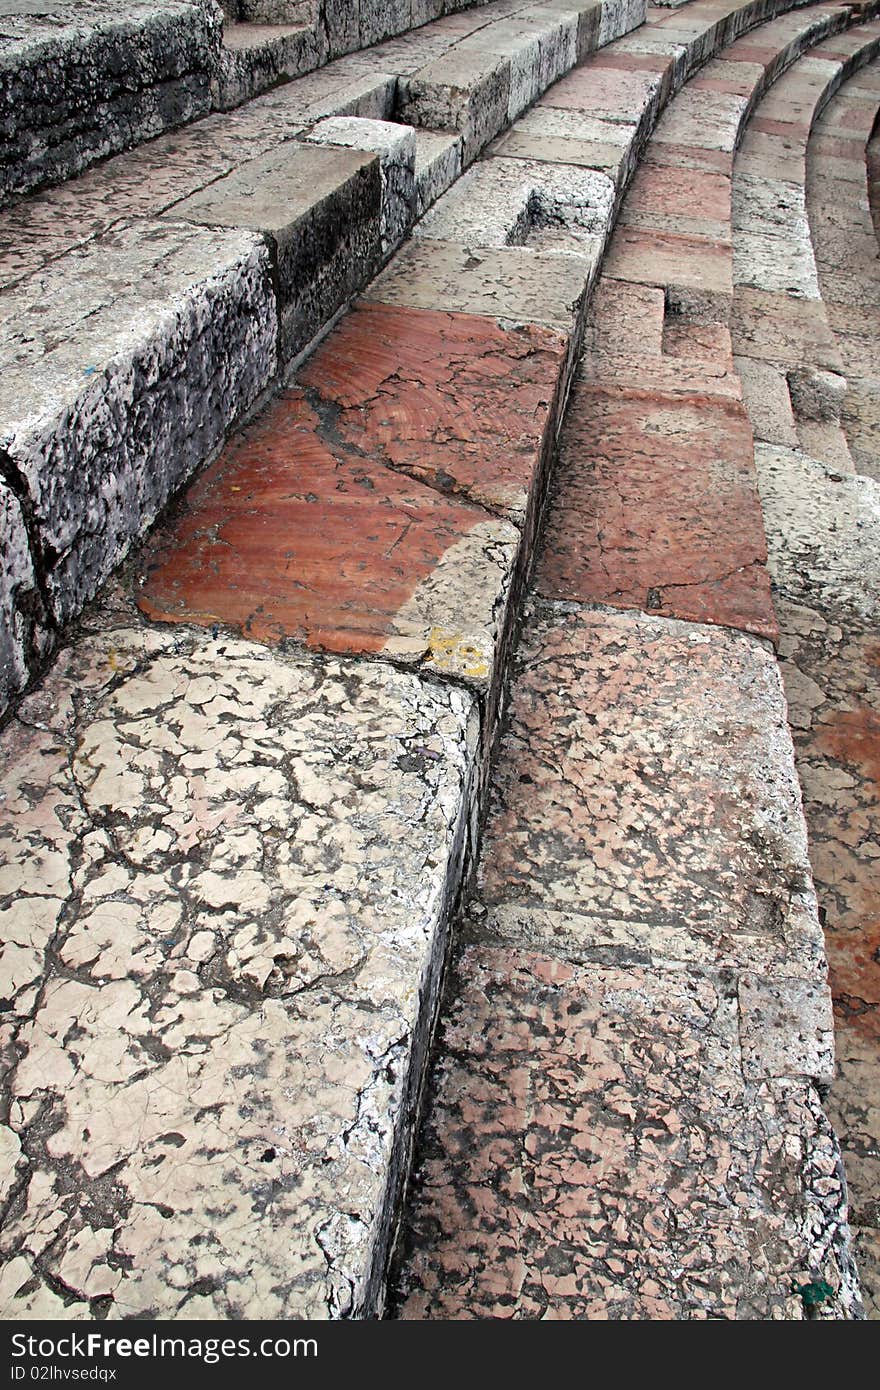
(655, 506)
(508, 202)
(861, 420)
(290, 539)
(77, 85)
(467, 92)
(645, 801)
(513, 284)
(624, 318)
(324, 213)
(696, 272)
(825, 529)
(607, 93)
(702, 120)
(437, 166)
(124, 365)
(225, 882)
(592, 1151)
(396, 147)
(567, 137)
(695, 202)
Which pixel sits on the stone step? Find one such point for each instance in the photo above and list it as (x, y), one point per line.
(822, 519)
(555, 1175)
(847, 254)
(159, 64)
(321, 203)
(76, 86)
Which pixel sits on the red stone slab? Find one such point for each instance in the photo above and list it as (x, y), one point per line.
(453, 399)
(700, 267)
(287, 537)
(308, 528)
(684, 193)
(656, 507)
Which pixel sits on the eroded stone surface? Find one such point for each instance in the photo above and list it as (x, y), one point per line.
(225, 879)
(645, 798)
(594, 1151)
(124, 364)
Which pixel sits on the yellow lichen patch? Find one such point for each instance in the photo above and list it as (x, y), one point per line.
(456, 652)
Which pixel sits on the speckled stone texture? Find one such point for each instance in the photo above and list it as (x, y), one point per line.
(225, 884)
(594, 1151)
(124, 364)
(645, 799)
(80, 82)
(370, 509)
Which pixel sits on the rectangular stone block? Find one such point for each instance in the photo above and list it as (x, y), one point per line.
(79, 83)
(321, 208)
(124, 363)
(465, 92)
(231, 1038)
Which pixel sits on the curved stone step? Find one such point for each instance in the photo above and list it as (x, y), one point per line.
(556, 1177)
(822, 518)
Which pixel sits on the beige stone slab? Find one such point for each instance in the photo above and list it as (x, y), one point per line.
(512, 283)
(243, 864)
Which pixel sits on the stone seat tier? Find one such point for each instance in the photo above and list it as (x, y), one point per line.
(566, 1167)
(161, 63)
(805, 330)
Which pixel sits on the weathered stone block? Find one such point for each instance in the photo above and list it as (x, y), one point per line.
(396, 147)
(79, 83)
(465, 92)
(322, 210)
(124, 363)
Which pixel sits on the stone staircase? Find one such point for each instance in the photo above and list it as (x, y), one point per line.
(246, 797)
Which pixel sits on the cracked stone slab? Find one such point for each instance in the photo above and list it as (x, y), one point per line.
(225, 881)
(146, 181)
(656, 506)
(453, 400)
(508, 202)
(124, 364)
(592, 1150)
(325, 211)
(645, 799)
(290, 539)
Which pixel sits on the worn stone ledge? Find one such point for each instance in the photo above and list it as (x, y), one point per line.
(124, 365)
(225, 888)
(75, 88)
